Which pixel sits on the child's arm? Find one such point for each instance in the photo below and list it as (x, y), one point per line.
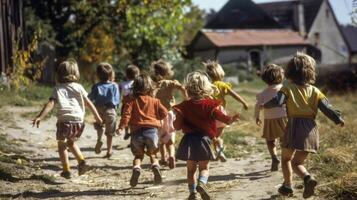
(277, 101)
(92, 108)
(45, 110)
(238, 98)
(257, 111)
(178, 121)
(125, 116)
(333, 115)
(220, 116)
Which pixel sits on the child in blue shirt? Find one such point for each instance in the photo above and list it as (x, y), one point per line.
(105, 95)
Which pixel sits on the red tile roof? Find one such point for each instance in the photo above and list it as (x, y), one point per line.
(249, 37)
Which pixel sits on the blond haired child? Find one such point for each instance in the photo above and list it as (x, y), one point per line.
(70, 99)
(164, 91)
(105, 96)
(302, 103)
(142, 113)
(126, 89)
(216, 73)
(196, 118)
(274, 118)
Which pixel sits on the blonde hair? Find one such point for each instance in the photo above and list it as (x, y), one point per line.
(301, 69)
(198, 85)
(67, 71)
(162, 70)
(143, 85)
(214, 70)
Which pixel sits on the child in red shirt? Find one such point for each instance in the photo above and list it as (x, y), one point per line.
(143, 114)
(197, 117)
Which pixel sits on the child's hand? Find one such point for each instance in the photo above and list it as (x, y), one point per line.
(342, 124)
(36, 122)
(99, 121)
(235, 118)
(245, 106)
(118, 131)
(258, 121)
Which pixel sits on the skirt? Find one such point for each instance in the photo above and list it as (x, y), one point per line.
(69, 130)
(274, 128)
(195, 146)
(302, 135)
(167, 130)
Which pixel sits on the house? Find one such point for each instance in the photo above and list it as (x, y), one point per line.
(247, 33)
(11, 32)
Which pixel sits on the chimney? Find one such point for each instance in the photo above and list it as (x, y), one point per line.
(301, 18)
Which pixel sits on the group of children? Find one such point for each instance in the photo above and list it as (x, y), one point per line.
(150, 116)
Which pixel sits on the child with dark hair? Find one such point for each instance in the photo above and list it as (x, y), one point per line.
(143, 114)
(274, 118)
(302, 100)
(70, 98)
(126, 89)
(105, 95)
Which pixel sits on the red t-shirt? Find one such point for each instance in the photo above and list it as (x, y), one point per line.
(199, 116)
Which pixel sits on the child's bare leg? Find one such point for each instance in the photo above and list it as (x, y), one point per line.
(297, 163)
(171, 149)
(219, 146)
(286, 157)
(162, 152)
(203, 167)
(63, 155)
(272, 151)
(191, 178)
(136, 169)
(75, 150)
(153, 159)
(100, 131)
(109, 144)
(137, 161)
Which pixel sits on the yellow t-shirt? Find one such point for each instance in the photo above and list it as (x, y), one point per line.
(222, 91)
(302, 101)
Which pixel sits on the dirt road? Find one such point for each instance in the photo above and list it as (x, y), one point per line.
(35, 174)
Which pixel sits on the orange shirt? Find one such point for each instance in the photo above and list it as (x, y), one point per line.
(142, 111)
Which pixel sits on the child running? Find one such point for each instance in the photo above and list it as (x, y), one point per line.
(70, 99)
(197, 119)
(165, 89)
(216, 73)
(142, 113)
(302, 103)
(126, 89)
(274, 118)
(105, 96)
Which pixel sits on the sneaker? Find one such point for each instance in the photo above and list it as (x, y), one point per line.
(108, 155)
(203, 190)
(82, 167)
(98, 147)
(126, 136)
(221, 156)
(134, 177)
(66, 174)
(192, 196)
(309, 186)
(157, 174)
(286, 191)
(172, 162)
(274, 165)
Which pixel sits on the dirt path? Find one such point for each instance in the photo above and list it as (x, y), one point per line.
(245, 178)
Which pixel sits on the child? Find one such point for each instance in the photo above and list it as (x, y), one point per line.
(197, 119)
(165, 89)
(275, 118)
(142, 113)
(125, 87)
(70, 98)
(216, 73)
(301, 138)
(105, 95)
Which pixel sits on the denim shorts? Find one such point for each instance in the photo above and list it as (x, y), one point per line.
(144, 138)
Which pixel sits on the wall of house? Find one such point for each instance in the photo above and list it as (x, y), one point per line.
(281, 55)
(235, 55)
(354, 58)
(326, 35)
(206, 54)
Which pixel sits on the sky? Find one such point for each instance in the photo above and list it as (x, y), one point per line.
(342, 8)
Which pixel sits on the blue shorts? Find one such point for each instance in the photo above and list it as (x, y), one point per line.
(144, 138)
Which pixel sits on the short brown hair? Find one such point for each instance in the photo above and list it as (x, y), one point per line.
(132, 71)
(214, 70)
(272, 74)
(143, 85)
(67, 71)
(162, 70)
(301, 69)
(104, 71)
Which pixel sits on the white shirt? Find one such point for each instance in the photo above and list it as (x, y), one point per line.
(69, 98)
(126, 87)
(265, 96)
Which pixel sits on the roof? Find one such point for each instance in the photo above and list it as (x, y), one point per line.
(250, 37)
(242, 14)
(350, 34)
(285, 12)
